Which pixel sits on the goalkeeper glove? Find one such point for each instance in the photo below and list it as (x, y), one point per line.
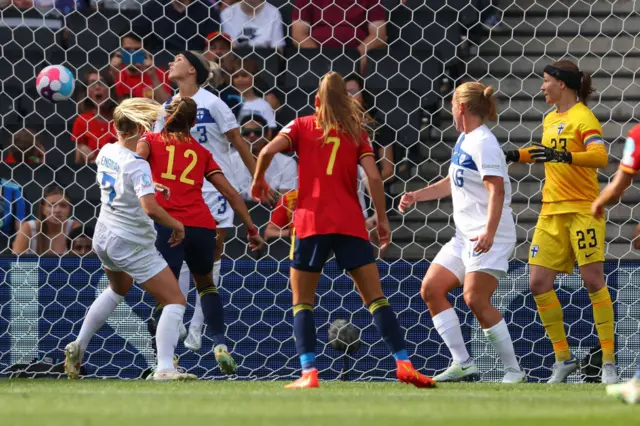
(543, 154)
(512, 156)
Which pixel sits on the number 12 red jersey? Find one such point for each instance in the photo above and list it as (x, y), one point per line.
(327, 180)
(182, 166)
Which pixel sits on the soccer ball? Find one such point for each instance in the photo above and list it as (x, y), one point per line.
(55, 83)
(343, 336)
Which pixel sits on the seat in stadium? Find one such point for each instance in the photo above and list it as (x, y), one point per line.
(305, 67)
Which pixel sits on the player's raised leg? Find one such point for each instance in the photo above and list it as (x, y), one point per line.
(439, 281)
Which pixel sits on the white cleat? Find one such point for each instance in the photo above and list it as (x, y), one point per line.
(562, 370)
(609, 374)
(193, 342)
(514, 376)
(171, 375)
(628, 392)
(459, 372)
(73, 360)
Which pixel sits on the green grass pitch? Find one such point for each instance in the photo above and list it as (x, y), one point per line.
(119, 403)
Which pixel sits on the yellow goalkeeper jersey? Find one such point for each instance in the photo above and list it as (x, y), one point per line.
(570, 188)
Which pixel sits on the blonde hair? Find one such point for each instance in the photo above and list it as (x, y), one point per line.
(336, 109)
(215, 75)
(478, 100)
(134, 113)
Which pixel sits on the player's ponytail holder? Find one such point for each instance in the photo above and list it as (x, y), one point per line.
(573, 79)
(252, 232)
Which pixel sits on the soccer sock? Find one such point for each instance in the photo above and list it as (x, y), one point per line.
(198, 316)
(603, 317)
(98, 314)
(447, 324)
(387, 324)
(551, 316)
(184, 280)
(304, 332)
(500, 339)
(213, 311)
(167, 335)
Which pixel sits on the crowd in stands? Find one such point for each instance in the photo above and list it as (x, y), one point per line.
(222, 30)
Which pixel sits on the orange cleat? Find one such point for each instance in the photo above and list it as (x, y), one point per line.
(308, 380)
(407, 374)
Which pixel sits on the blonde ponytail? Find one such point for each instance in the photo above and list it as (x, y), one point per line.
(135, 113)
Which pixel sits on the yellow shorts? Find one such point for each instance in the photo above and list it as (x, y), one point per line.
(561, 239)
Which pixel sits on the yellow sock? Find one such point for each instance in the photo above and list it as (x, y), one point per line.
(603, 316)
(551, 315)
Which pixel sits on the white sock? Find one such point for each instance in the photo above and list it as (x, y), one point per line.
(197, 320)
(185, 280)
(167, 335)
(97, 315)
(500, 339)
(447, 324)
(216, 273)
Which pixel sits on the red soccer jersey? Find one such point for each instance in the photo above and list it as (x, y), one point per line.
(90, 130)
(327, 180)
(183, 167)
(631, 156)
(283, 212)
(140, 85)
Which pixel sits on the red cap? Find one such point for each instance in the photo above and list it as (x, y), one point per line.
(217, 34)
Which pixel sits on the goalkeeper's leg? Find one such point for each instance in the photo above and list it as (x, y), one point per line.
(439, 281)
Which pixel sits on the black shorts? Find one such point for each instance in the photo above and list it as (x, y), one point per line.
(197, 249)
(311, 253)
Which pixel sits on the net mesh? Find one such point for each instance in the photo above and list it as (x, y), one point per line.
(431, 46)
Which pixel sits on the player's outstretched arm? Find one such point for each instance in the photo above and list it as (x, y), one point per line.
(376, 190)
(438, 190)
(274, 231)
(161, 217)
(234, 137)
(259, 188)
(236, 202)
(612, 193)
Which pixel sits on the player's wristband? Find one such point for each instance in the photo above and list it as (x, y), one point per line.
(252, 232)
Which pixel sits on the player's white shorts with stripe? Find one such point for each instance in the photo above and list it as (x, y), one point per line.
(119, 255)
(458, 257)
(220, 209)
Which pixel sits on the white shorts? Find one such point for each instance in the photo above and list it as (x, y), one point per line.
(459, 258)
(119, 255)
(220, 209)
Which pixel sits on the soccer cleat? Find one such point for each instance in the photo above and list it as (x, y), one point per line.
(193, 342)
(225, 360)
(514, 376)
(308, 380)
(562, 370)
(171, 375)
(609, 374)
(407, 374)
(459, 372)
(628, 392)
(72, 360)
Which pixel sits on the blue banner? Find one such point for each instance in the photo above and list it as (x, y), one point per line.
(43, 302)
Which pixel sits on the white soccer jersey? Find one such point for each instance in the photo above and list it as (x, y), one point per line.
(214, 119)
(476, 155)
(264, 29)
(282, 174)
(124, 178)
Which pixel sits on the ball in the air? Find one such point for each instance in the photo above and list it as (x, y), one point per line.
(55, 83)
(343, 336)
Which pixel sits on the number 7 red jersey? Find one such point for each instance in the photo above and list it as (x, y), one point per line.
(327, 180)
(183, 167)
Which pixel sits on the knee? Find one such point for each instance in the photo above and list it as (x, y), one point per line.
(539, 286)
(475, 301)
(593, 282)
(431, 292)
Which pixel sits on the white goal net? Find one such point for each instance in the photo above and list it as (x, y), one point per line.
(423, 48)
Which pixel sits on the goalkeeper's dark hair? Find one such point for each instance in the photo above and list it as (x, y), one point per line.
(478, 99)
(336, 109)
(181, 115)
(586, 87)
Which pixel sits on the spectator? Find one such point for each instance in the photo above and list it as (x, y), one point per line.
(25, 148)
(176, 24)
(357, 24)
(94, 128)
(246, 84)
(134, 73)
(79, 241)
(220, 53)
(254, 23)
(133, 5)
(13, 210)
(279, 225)
(282, 174)
(47, 234)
